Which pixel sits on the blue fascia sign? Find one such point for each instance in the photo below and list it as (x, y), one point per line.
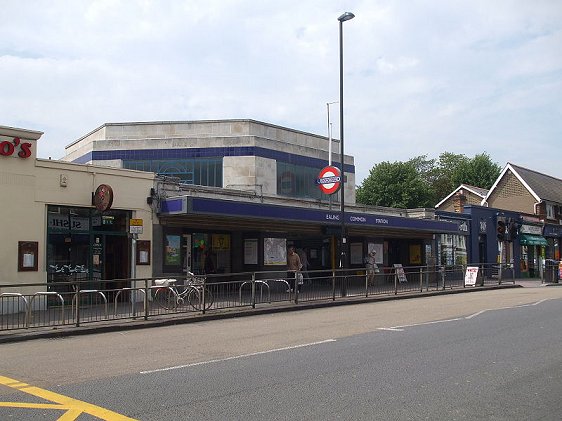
(552, 231)
(205, 206)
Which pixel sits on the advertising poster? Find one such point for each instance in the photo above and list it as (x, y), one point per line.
(172, 255)
(274, 251)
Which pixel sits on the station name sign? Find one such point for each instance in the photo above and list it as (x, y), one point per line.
(206, 206)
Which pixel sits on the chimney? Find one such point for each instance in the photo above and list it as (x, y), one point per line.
(459, 200)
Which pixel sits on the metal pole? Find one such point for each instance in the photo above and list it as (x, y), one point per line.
(133, 272)
(343, 259)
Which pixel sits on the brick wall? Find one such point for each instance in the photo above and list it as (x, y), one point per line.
(511, 194)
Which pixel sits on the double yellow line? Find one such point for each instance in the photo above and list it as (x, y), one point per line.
(72, 407)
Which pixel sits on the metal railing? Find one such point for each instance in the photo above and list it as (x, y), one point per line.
(78, 302)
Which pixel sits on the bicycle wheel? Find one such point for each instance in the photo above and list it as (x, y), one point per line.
(165, 298)
(195, 299)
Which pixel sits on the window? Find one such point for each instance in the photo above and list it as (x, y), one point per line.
(200, 171)
(550, 211)
(300, 182)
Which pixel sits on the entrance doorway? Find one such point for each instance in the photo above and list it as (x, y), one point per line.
(110, 261)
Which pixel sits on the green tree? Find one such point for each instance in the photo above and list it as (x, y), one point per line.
(479, 171)
(397, 185)
(423, 182)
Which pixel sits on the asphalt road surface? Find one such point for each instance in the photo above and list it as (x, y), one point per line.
(494, 355)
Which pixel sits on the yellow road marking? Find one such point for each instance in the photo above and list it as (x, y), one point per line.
(73, 407)
(32, 405)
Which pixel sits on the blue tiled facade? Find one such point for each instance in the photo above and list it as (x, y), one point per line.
(148, 154)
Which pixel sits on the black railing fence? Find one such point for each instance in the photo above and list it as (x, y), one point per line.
(74, 301)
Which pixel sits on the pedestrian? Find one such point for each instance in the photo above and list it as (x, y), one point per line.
(372, 267)
(294, 267)
(304, 262)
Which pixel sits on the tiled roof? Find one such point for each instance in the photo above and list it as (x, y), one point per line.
(477, 190)
(545, 186)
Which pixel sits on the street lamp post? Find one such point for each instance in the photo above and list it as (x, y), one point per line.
(343, 259)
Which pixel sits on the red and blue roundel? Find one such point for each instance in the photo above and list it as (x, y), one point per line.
(329, 180)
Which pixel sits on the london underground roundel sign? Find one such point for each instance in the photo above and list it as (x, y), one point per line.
(329, 180)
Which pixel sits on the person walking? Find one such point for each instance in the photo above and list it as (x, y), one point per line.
(294, 266)
(304, 262)
(372, 267)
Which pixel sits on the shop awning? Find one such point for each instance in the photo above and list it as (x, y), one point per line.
(532, 240)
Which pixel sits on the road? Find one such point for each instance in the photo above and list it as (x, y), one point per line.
(484, 355)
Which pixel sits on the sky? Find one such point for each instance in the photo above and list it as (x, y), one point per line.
(421, 77)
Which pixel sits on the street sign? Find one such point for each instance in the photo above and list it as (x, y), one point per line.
(329, 180)
(135, 226)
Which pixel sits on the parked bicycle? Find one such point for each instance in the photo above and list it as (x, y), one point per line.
(170, 293)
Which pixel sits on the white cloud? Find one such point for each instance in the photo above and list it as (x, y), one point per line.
(420, 77)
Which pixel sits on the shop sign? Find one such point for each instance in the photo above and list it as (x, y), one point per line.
(552, 231)
(483, 227)
(103, 197)
(15, 147)
(63, 222)
(530, 229)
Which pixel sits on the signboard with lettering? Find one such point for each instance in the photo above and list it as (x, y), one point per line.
(66, 222)
(14, 147)
(530, 229)
(135, 226)
(399, 271)
(471, 276)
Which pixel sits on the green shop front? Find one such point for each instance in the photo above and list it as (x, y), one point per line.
(85, 244)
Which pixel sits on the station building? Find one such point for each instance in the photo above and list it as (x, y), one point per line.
(241, 191)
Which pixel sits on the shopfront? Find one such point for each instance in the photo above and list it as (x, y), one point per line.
(533, 251)
(86, 244)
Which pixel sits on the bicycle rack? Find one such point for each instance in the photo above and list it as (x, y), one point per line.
(88, 291)
(18, 295)
(261, 283)
(47, 294)
(283, 281)
(119, 293)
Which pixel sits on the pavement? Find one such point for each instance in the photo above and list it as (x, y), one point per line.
(18, 335)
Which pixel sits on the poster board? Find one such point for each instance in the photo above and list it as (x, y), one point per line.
(274, 251)
(27, 256)
(399, 271)
(251, 251)
(471, 276)
(143, 252)
(378, 249)
(356, 251)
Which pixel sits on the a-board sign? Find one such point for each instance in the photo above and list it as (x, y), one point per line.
(471, 276)
(399, 270)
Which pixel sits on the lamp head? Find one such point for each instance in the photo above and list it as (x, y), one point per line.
(346, 16)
